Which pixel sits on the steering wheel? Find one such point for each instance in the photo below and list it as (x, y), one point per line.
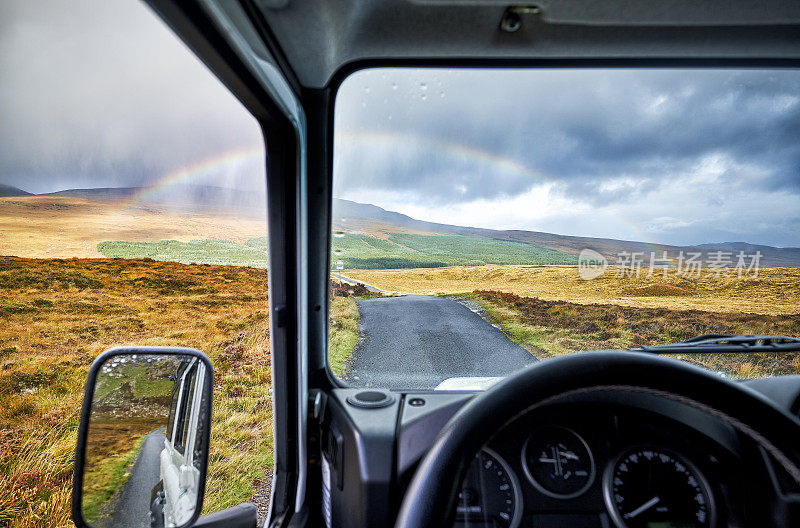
(431, 497)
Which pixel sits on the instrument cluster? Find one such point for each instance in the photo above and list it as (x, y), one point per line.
(622, 471)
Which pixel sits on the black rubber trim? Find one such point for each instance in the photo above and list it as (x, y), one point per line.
(320, 105)
(358, 400)
(631, 62)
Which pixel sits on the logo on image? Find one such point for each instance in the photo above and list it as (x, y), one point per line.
(591, 264)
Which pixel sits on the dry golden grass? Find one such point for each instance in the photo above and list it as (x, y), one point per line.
(56, 316)
(63, 227)
(775, 291)
(553, 328)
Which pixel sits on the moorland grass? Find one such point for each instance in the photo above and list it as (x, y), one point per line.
(774, 291)
(75, 309)
(554, 328)
(65, 227)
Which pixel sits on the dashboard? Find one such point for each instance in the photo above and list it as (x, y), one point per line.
(598, 466)
(615, 460)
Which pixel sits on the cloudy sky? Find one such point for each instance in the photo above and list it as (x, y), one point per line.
(100, 93)
(678, 157)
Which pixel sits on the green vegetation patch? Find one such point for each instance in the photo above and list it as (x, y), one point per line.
(390, 263)
(343, 336)
(143, 381)
(359, 251)
(477, 251)
(252, 253)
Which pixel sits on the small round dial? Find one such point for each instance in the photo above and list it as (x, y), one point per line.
(558, 462)
(490, 495)
(649, 487)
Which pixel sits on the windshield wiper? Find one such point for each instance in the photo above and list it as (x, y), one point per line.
(727, 344)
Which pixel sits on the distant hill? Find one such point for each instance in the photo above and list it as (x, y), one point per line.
(354, 217)
(176, 196)
(373, 237)
(10, 190)
(99, 193)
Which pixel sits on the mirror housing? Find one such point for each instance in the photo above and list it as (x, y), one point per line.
(142, 451)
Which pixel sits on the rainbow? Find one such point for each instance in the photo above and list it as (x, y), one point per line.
(450, 148)
(366, 140)
(441, 147)
(228, 161)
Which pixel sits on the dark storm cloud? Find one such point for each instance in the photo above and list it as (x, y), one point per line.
(446, 172)
(579, 129)
(101, 93)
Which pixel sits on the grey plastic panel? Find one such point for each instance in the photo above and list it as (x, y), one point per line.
(419, 425)
(362, 472)
(783, 390)
(320, 37)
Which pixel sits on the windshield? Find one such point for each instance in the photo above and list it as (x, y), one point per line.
(484, 220)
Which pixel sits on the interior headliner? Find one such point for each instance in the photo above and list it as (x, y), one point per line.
(318, 38)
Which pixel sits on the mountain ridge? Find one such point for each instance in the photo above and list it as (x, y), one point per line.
(351, 216)
(181, 195)
(10, 190)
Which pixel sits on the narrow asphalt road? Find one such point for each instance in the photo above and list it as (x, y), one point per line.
(418, 341)
(132, 507)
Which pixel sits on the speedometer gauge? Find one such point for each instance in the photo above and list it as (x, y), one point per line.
(490, 494)
(651, 487)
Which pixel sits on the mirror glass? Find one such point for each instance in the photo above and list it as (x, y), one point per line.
(145, 441)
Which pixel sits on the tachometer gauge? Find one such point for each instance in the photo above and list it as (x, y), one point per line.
(558, 462)
(651, 487)
(490, 494)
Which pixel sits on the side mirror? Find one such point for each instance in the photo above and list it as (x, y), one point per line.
(142, 449)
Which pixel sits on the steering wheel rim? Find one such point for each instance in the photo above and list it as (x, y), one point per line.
(430, 499)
